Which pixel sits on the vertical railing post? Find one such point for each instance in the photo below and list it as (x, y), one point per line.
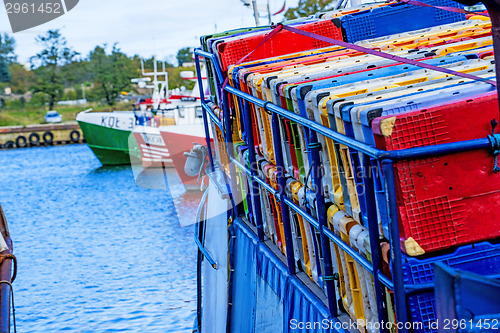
(314, 147)
(204, 112)
(373, 227)
(397, 269)
(280, 175)
(247, 118)
(493, 8)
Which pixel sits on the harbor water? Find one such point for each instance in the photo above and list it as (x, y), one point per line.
(96, 252)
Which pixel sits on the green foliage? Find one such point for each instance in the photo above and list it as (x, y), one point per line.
(308, 7)
(57, 73)
(7, 56)
(21, 79)
(112, 72)
(7, 45)
(13, 114)
(149, 63)
(77, 72)
(4, 71)
(184, 55)
(175, 80)
(48, 64)
(38, 100)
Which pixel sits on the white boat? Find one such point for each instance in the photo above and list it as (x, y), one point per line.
(163, 144)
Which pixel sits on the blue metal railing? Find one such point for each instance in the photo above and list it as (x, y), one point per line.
(387, 159)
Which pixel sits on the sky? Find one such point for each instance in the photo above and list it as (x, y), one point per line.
(143, 27)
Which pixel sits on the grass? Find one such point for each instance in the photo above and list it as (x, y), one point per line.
(25, 117)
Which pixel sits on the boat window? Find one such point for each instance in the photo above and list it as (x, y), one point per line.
(182, 112)
(199, 112)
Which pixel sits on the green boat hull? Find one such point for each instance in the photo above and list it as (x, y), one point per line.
(110, 145)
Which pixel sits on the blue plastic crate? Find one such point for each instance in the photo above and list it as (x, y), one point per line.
(482, 258)
(396, 18)
(454, 299)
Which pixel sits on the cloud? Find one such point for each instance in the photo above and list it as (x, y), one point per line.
(144, 27)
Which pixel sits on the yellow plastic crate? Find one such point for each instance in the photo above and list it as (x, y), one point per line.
(266, 208)
(305, 230)
(357, 235)
(349, 281)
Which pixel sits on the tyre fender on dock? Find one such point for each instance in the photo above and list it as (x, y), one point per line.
(9, 145)
(34, 139)
(21, 141)
(74, 136)
(48, 137)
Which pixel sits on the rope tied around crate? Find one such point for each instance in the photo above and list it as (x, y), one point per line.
(387, 55)
(279, 27)
(495, 145)
(273, 32)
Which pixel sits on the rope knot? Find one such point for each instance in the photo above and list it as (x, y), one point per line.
(314, 145)
(277, 25)
(265, 108)
(494, 145)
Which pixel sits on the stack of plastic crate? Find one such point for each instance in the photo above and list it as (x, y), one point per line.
(445, 204)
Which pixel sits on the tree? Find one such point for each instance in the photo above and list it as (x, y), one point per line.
(176, 81)
(4, 71)
(112, 72)
(184, 55)
(76, 73)
(308, 7)
(48, 64)
(21, 79)
(7, 56)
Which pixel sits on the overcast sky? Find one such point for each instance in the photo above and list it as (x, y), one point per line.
(144, 27)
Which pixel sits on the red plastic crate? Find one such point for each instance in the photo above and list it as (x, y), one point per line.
(284, 42)
(448, 200)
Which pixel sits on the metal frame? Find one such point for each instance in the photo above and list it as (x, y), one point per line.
(386, 158)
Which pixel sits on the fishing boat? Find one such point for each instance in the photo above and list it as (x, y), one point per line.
(110, 134)
(163, 145)
(8, 272)
(183, 109)
(353, 173)
(184, 114)
(107, 133)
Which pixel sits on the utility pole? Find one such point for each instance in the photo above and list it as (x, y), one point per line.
(83, 97)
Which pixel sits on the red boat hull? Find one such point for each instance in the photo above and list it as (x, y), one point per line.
(153, 155)
(177, 144)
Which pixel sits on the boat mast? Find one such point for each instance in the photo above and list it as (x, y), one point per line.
(255, 9)
(256, 13)
(160, 87)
